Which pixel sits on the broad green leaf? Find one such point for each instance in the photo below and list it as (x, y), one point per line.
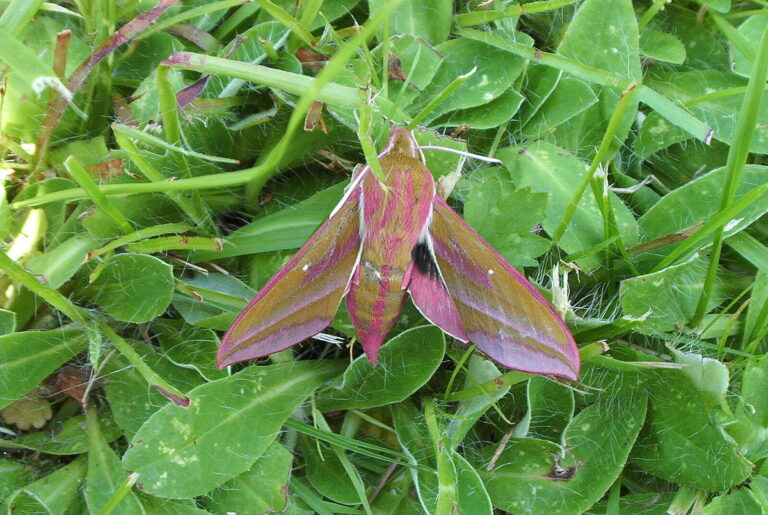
(406, 363)
(159, 506)
(327, 475)
(7, 322)
(569, 98)
(755, 322)
(537, 476)
(681, 441)
(749, 428)
(429, 20)
(396, 499)
(71, 437)
(479, 371)
(414, 439)
(471, 493)
(222, 288)
(57, 266)
(189, 347)
(661, 46)
(759, 487)
(505, 216)
(636, 504)
(53, 493)
(709, 375)
(419, 62)
(550, 409)
(13, 474)
(552, 170)
(105, 474)
(497, 69)
(740, 500)
(145, 55)
(541, 81)
(133, 287)
(131, 399)
(754, 390)
(513, 483)
(675, 211)
(217, 301)
(286, 229)
(656, 134)
(750, 31)
(697, 90)
(88, 151)
(203, 313)
(486, 116)
(29, 357)
(262, 489)
(23, 106)
(229, 425)
(666, 299)
(441, 162)
(679, 163)
(605, 36)
(612, 28)
(453, 478)
(702, 50)
(306, 501)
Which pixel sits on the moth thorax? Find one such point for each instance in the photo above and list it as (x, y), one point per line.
(404, 144)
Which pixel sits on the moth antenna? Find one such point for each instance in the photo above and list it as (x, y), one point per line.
(461, 152)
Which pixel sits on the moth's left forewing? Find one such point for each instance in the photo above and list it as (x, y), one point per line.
(501, 312)
(302, 299)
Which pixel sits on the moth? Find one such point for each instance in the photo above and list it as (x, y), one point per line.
(391, 238)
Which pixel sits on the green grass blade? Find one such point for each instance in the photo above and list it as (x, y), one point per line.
(737, 158)
(17, 15)
(157, 142)
(78, 172)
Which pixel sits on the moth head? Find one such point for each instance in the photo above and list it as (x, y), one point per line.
(402, 142)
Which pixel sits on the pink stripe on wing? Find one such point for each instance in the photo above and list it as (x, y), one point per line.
(525, 331)
(446, 209)
(290, 265)
(464, 266)
(315, 270)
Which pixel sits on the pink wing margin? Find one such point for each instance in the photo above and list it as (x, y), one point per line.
(302, 298)
(500, 311)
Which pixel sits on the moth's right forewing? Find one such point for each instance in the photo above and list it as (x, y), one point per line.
(302, 299)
